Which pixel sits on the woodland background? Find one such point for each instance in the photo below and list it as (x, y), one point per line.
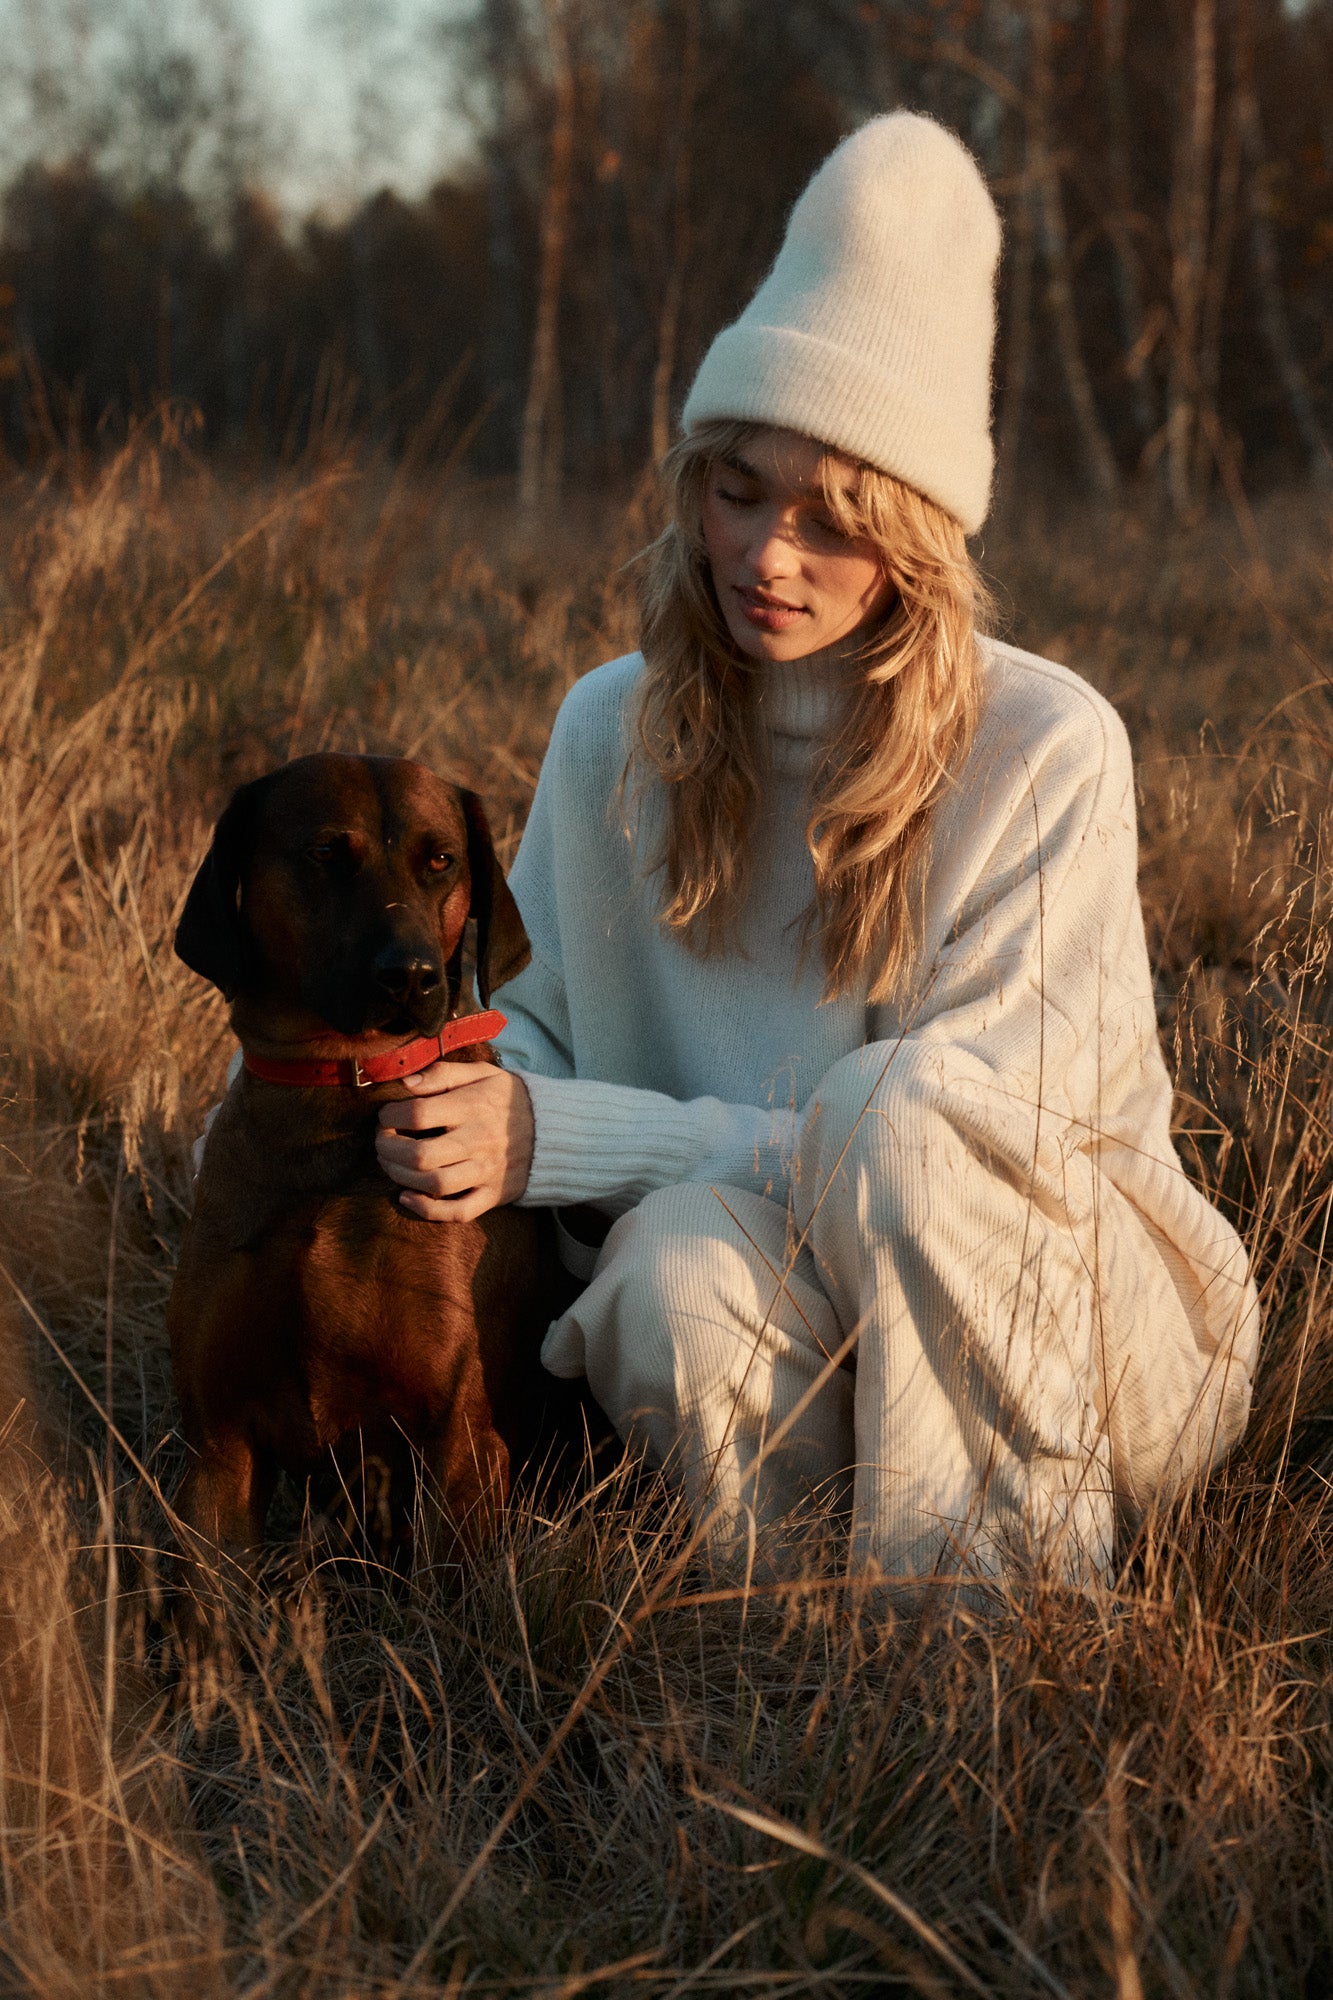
(623, 173)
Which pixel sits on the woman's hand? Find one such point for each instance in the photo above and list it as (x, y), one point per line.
(462, 1143)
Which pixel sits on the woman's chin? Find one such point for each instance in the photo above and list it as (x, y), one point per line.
(775, 647)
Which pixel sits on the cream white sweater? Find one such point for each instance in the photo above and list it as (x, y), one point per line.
(648, 1066)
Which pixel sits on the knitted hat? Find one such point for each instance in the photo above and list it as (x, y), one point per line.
(873, 330)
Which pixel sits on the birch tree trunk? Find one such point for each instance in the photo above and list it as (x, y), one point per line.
(1225, 214)
(1265, 266)
(1095, 451)
(368, 347)
(668, 325)
(1020, 263)
(1124, 215)
(504, 343)
(1189, 225)
(536, 473)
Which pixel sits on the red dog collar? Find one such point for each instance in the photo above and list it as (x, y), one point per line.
(352, 1072)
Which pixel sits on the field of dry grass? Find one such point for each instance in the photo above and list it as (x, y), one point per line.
(596, 1769)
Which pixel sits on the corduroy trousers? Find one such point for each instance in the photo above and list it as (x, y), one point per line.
(928, 1337)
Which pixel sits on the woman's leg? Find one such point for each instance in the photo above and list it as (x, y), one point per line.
(694, 1345)
(968, 1251)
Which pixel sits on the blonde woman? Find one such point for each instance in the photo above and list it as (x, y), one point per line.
(839, 1006)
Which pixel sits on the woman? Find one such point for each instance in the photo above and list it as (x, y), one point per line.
(839, 998)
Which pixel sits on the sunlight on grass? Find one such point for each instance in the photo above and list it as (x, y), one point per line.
(591, 1765)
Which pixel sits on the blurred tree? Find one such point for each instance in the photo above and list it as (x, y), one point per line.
(1043, 175)
(1123, 220)
(668, 325)
(1189, 227)
(1264, 256)
(153, 97)
(1165, 168)
(9, 354)
(539, 458)
(501, 57)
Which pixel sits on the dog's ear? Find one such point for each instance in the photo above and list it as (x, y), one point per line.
(210, 936)
(502, 942)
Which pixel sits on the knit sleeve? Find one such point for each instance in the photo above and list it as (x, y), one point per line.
(607, 1144)
(1037, 1006)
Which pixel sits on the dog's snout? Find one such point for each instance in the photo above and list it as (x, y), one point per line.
(406, 973)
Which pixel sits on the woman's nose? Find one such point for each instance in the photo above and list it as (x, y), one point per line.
(772, 551)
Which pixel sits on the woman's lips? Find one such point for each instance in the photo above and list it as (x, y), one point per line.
(770, 614)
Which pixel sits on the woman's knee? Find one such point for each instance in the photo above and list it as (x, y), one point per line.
(694, 1278)
(663, 1250)
(881, 1137)
(656, 1279)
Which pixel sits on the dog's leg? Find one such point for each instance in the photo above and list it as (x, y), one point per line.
(224, 1500)
(471, 1468)
(224, 1496)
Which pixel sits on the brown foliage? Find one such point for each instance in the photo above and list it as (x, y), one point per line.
(596, 1767)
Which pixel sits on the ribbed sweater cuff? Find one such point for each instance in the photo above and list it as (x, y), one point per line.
(609, 1144)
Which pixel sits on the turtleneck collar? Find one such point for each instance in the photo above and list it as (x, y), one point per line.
(797, 703)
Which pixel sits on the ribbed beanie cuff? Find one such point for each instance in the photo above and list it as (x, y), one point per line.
(874, 329)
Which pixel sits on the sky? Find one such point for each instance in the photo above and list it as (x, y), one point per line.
(356, 94)
(351, 94)
(366, 87)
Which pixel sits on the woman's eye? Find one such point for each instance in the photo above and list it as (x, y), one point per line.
(735, 499)
(322, 850)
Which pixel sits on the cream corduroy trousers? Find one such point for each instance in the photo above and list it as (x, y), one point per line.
(924, 1337)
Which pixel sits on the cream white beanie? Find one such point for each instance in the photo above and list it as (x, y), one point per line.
(873, 331)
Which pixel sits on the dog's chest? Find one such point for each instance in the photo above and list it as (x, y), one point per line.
(386, 1326)
(328, 1310)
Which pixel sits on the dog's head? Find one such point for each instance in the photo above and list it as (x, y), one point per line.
(339, 887)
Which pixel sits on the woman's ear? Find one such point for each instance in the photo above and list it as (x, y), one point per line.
(502, 942)
(210, 936)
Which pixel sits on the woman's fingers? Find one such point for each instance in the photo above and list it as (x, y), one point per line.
(461, 1178)
(473, 1141)
(430, 1092)
(455, 1174)
(462, 1150)
(440, 1149)
(467, 1208)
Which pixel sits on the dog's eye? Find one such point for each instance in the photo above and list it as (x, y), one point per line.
(440, 862)
(336, 852)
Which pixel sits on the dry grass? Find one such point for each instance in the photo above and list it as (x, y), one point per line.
(597, 1769)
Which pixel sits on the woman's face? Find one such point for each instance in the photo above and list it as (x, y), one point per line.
(789, 582)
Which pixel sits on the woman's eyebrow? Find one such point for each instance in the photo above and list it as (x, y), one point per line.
(735, 463)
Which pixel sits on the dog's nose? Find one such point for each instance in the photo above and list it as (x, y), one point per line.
(404, 974)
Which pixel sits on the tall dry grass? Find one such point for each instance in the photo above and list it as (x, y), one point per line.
(597, 1768)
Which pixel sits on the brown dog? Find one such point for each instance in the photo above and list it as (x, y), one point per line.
(310, 1311)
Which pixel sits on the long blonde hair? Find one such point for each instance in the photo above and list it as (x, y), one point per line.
(899, 738)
